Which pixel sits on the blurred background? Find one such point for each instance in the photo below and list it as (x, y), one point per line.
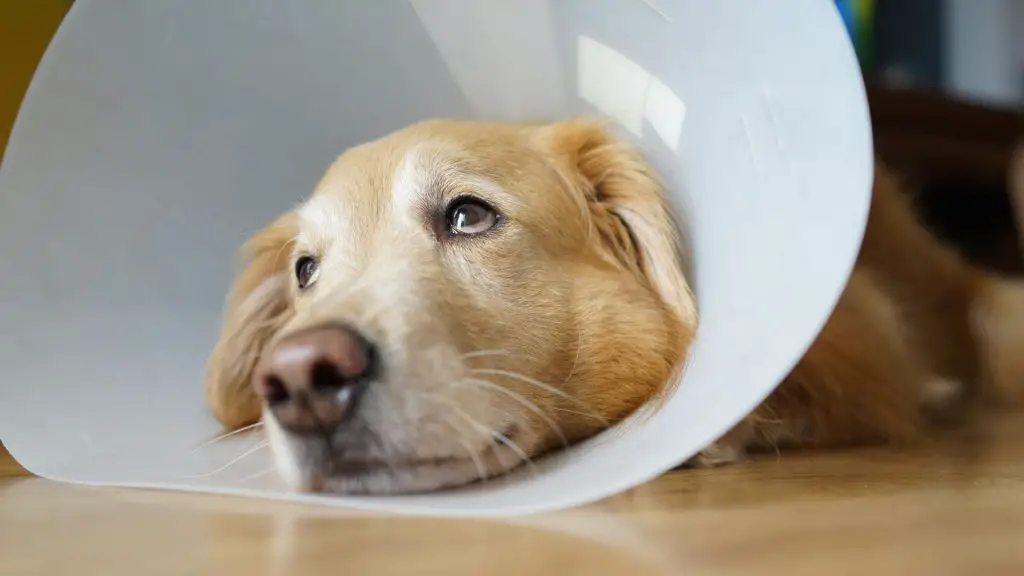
(946, 86)
(967, 49)
(945, 81)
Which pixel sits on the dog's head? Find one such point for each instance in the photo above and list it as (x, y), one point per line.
(453, 300)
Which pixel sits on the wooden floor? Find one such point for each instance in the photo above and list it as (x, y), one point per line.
(957, 509)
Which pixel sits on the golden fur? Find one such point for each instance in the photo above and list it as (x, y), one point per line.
(496, 348)
(575, 312)
(919, 339)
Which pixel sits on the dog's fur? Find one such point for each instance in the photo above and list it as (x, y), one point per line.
(573, 312)
(564, 318)
(919, 339)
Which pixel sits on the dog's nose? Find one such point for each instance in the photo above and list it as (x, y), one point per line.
(312, 380)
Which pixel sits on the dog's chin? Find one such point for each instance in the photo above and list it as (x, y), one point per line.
(309, 466)
(409, 477)
(384, 478)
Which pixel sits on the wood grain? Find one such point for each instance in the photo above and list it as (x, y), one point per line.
(955, 509)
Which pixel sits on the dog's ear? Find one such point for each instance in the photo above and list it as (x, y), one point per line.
(625, 203)
(257, 306)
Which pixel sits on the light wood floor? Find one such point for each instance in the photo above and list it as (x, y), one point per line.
(957, 509)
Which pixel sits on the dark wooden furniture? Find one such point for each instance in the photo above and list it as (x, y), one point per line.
(957, 156)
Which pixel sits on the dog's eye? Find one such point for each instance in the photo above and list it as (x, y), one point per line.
(307, 269)
(468, 216)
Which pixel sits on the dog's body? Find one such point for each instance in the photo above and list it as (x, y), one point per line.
(919, 339)
(457, 298)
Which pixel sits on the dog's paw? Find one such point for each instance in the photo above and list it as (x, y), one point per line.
(944, 402)
(717, 455)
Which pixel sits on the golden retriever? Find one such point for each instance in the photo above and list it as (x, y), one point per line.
(457, 298)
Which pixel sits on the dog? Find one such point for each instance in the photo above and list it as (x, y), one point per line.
(920, 341)
(453, 300)
(458, 298)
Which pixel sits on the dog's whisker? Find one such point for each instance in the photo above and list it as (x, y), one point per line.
(481, 470)
(576, 360)
(494, 438)
(479, 353)
(259, 474)
(497, 438)
(227, 435)
(542, 386)
(503, 353)
(506, 441)
(234, 461)
(521, 400)
(461, 432)
(578, 413)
